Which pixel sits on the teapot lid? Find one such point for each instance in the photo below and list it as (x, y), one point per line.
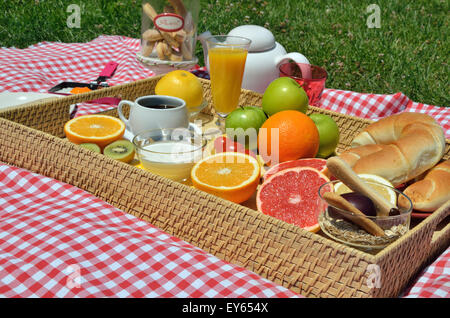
(262, 38)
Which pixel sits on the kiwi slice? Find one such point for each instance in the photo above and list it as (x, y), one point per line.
(91, 147)
(122, 150)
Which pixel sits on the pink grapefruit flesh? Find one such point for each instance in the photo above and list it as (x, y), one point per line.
(316, 163)
(292, 195)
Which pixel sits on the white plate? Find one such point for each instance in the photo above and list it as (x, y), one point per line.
(17, 99)
(162, 66)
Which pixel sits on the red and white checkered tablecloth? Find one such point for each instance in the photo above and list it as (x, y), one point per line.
(58, 241)
(434, 281)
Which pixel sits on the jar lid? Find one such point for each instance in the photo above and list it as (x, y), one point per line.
(262, 38)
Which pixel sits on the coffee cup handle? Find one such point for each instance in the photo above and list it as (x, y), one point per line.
(297, 58)
(120, 113)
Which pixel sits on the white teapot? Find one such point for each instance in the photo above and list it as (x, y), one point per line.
(264, 57)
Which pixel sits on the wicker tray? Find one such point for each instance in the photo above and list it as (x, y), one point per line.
(307, 263)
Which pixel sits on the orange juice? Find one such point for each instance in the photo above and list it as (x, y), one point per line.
(226, 67)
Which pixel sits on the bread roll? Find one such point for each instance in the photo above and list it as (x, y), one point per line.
(398, 148)
(431, 192)
(390, 129)
(353, 155)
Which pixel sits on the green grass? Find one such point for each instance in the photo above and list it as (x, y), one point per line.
(409, 53)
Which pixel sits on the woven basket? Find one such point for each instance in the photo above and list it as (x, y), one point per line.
(306, 263)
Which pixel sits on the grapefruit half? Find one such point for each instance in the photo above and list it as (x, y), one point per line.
(292, 195)
(316, 163)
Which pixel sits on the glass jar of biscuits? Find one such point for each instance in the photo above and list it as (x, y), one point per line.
(169, 31)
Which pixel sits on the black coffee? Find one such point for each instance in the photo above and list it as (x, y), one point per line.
(160, 106)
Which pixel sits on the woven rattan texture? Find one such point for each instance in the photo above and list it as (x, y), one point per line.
(301, 261)
(40, 116)
(400, 261)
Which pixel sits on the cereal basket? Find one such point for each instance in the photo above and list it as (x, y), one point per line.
(307, 263)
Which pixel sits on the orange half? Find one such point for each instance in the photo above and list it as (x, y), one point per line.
(99, 129)
(232, 176)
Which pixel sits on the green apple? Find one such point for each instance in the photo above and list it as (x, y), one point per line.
(328, 134)
(242, 125)
(284, 93)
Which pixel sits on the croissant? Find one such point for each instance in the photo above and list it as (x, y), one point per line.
(432, 191)
(398, 148)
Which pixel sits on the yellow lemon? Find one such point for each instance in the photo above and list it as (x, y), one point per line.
(387, 192)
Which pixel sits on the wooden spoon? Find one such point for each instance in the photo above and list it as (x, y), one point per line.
(342, 171)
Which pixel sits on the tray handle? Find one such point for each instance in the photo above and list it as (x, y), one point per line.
(441, 231)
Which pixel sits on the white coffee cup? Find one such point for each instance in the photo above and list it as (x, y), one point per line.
(148, 112)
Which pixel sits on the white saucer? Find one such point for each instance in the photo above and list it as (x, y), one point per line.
(197, 130)
(16, 99)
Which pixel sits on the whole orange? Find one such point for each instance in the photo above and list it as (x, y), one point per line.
(298, 137)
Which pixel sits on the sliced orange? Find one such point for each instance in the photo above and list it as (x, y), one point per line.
(232, 176)
(99, 129)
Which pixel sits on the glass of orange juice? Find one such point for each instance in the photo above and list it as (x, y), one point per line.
(226, 58)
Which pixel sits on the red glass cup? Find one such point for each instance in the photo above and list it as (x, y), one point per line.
(311, 77)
